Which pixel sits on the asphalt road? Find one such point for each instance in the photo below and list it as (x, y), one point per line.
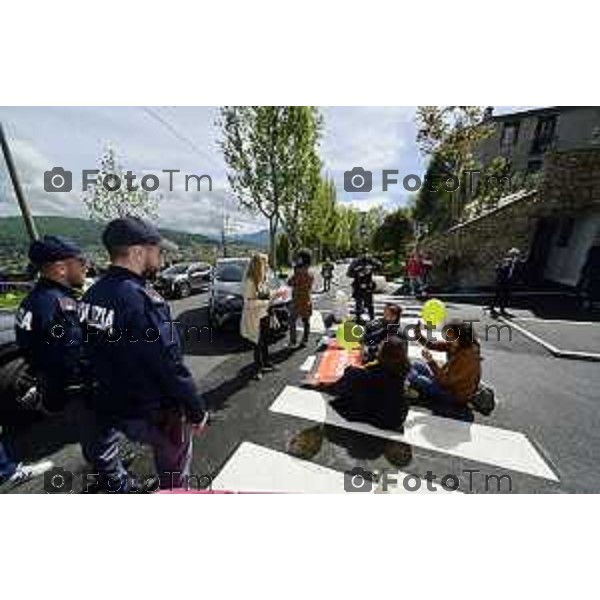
(548, 405)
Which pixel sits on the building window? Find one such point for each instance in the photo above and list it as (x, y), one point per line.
(544, 134)
(510, 136)
(565, 232)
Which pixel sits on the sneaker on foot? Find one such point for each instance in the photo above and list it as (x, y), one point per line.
(24, 473)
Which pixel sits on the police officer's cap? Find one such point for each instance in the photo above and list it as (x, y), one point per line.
(51, 248)
(132, 231)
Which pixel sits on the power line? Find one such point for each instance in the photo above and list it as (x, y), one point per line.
(180, 136)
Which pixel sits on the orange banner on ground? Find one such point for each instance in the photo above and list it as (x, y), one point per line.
(332, 363)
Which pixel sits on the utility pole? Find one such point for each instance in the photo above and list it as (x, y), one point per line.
(224, 234)
(25, 212)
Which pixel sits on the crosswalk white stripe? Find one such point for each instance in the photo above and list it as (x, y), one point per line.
(317, 325)
(254, 468)
(308, 364)
(472, 441)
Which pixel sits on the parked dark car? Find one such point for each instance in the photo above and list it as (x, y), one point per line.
(181, 279)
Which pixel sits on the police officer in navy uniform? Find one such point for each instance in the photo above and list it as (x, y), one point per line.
(143, 388)
(47, 323)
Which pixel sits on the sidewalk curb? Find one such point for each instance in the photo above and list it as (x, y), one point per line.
(557, 352)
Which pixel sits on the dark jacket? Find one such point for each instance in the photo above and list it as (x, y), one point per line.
(134, 349)
(48, 332)
(371, 394)
(361, 272)
(375, 332)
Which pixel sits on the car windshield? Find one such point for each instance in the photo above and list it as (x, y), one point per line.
(231, 271)
(176, 269)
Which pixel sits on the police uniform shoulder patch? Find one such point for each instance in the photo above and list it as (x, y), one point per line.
(68, 304)
(154, 296)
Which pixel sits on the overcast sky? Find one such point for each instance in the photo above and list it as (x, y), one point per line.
(186, 138)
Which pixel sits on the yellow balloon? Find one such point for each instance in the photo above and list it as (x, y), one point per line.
(433, 311)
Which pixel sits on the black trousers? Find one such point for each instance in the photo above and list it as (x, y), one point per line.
(305, 323)
(364, 301)
(502, 297)
(261, 349)
(326, 284)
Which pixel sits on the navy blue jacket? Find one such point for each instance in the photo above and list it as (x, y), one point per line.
(49, 334)
(134, 349)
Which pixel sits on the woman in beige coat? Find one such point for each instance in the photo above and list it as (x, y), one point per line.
(254, 325)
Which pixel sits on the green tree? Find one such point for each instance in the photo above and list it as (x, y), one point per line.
(451, 134)
(270, 152)
(316, 223)
(283, 249)
(104, 205)
(432, 204)
(394, 233)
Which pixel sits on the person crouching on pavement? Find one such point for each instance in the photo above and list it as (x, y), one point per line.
(378, 330)
(301, 283)
(144, 389)
(254, 325)
(447, 389)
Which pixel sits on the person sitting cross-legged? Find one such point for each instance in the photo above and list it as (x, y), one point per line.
(447, 389)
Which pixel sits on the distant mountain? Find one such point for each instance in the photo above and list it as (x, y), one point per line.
(258, 238)
(14, 241)
(82, 231)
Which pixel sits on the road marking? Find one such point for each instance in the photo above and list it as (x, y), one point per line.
(308, 364)
(480, 443)
(559, 321)
(254, 468)
(317, 325)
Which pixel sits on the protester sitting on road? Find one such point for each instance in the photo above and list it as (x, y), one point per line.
(254, 325)
(447, 389)
(374, 393)
(378, 330)
(301, 283)
(327, 274)
(507, 272)
(13, 473)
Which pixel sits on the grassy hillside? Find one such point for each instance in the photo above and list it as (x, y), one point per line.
(14, 241)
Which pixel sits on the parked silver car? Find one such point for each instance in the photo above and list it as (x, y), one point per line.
(181, 279)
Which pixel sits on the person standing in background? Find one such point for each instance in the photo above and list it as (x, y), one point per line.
(301, 283)
(507, 272)
(327, 274)
(361, 272)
